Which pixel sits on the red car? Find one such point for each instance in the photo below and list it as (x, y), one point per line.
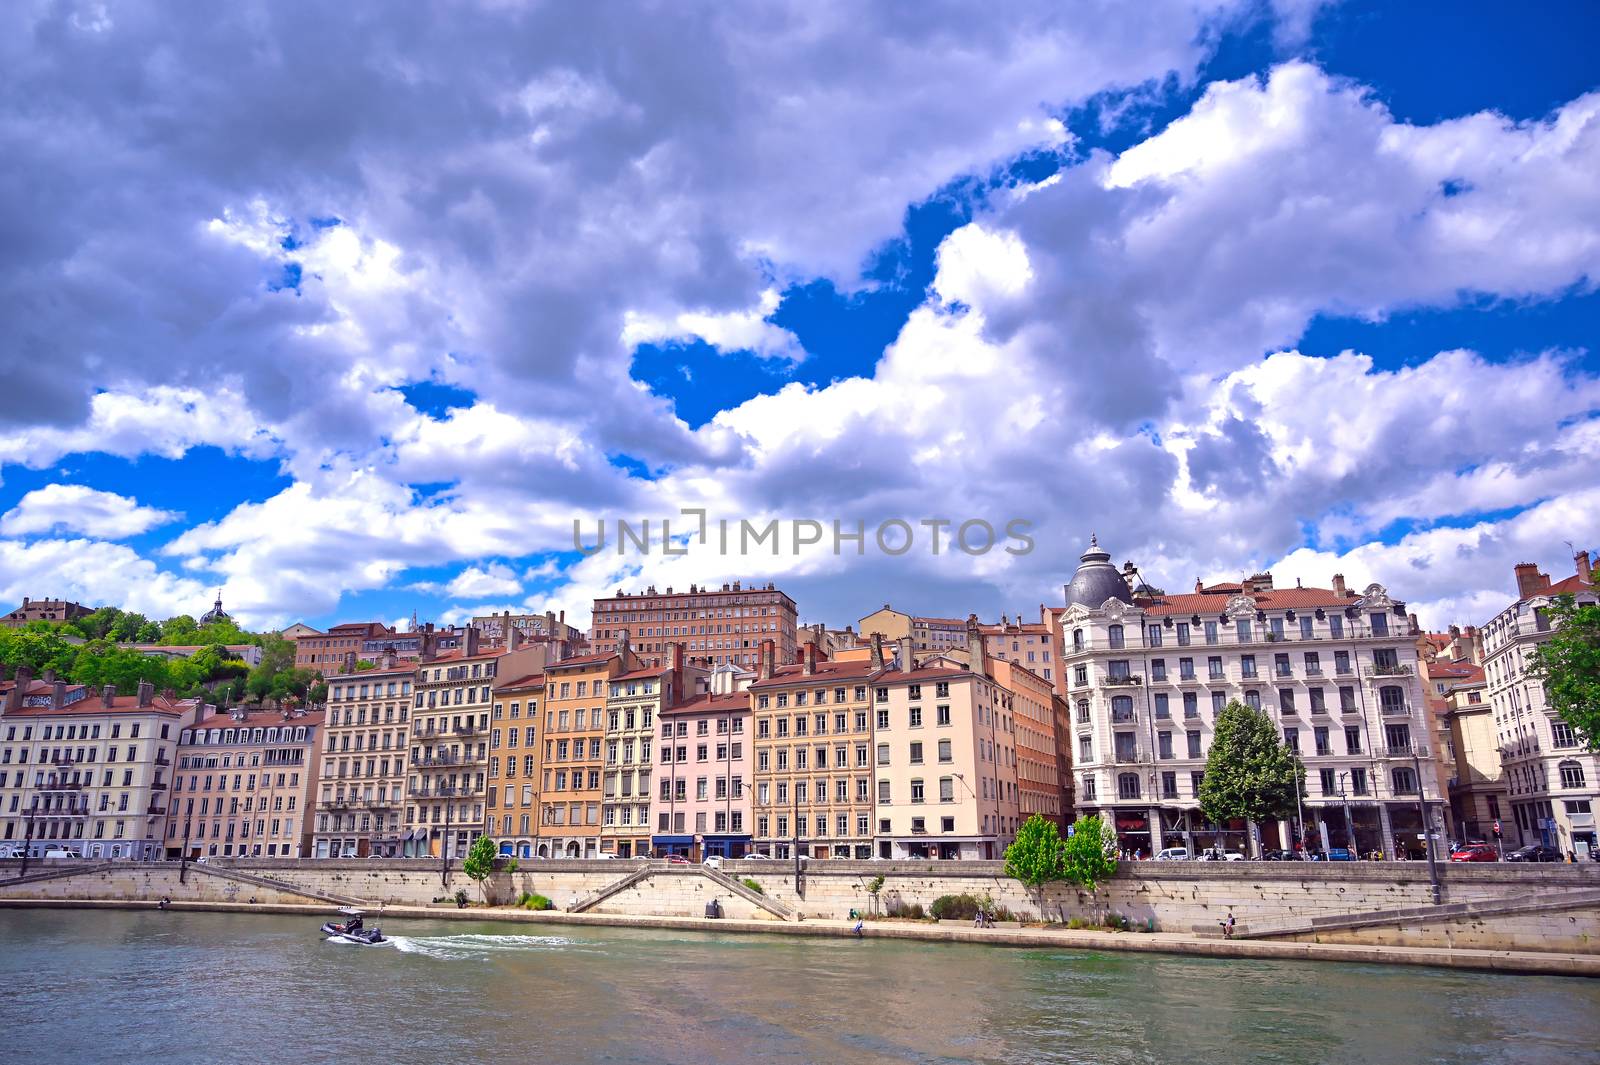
(677, 859)
(1474, 852)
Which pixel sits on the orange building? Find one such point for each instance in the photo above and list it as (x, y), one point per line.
(1038, 712)
(514, 764)
(572, 754)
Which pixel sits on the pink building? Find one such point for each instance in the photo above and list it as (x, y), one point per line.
(702, 803)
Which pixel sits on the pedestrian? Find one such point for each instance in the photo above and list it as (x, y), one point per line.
(1227, 926)
(858, 929)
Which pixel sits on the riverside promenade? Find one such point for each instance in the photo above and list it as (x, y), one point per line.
(1543, 963)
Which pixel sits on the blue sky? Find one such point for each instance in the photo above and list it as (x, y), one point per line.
(1308, 286)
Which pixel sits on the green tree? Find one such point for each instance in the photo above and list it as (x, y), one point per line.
(176, 631)
(1089, 854)
(479, 863)
(1036, 858)
(1250, 773)
(1568, 664)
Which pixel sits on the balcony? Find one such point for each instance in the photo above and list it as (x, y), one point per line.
(1122, 717)
(1313, 671)
(378, 803)
(1128, 681)
(1409, 750)
(442, 758)
(1398, 670)
(420, 793)
(467, 730)
(1396, 711)
(154, 811)
(158, 786)
(1126, 756)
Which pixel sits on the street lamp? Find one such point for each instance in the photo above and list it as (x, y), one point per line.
(1299, 808)
(1349, 828)
(1427, 829)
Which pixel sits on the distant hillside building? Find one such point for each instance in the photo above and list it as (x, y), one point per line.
(716, 626)
(44, 610)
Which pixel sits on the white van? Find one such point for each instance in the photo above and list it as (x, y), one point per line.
(1173, 854)
(61, 854)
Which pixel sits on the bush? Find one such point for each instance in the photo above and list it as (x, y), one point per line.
(1077, 922)
(461, 897)
(963, 907)
(531, 901)
(909, 910)
(750, 883)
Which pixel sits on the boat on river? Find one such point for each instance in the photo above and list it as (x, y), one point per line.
(353, 929)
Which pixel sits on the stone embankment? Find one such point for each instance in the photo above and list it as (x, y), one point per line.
(1553, 909)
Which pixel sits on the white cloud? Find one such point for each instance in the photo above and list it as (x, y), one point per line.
(727, 332)
(475, 582)
(96, 573)
(78, 508)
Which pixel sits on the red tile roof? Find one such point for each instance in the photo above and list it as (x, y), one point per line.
(710, 703)
(582, 660)
(532, 680)
(649, 672)
(1213, 601)
(827, 670)
(95, 704)
(260, 716)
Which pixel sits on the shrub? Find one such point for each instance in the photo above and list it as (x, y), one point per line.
(963, 907)
(535, 902)
(750, 882)
(909, 910)
(1077, 922)
(461, 897)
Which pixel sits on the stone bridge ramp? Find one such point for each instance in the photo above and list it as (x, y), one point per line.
(654, 870)
(1584, 899)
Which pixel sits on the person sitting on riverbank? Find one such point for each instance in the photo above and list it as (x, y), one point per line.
(1227, 926)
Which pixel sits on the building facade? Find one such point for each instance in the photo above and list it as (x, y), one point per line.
(1478, 799)
(360, 797)
(44, 610)
(572, 754)
(447, 774)
(244, 785)
(1336, 672)
(716, 626)
(338, 649)
(1552, 781)
(944, 759)
(514, 763)
(86, 769)
(1030, 644)
(1043, 769)
(635, 703)
(813, 754)
(701, 804)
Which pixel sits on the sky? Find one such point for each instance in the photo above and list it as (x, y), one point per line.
(362, 311)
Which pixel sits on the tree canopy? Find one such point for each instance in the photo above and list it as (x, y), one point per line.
(479, 862)
(1089, 853)
(1568, 664)
(1250, 773)
(1035, 857)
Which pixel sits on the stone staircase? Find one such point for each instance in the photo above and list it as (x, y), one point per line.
(277, 885)
(56, 873)
(1450, 911)
(655, 869)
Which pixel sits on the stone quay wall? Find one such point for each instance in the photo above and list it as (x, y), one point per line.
(1502, 906)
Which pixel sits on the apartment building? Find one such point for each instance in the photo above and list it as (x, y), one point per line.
(1030, 644)
(514, 745)
(244, 785)
(1043, 741)
(572, 764)
(360, 797)
(86, 769)
(723, 626)
(338, 649)
(702, 802)
(1478, 797)
(929, 635)
(813, 741)
(43, 610)
(1335, 670)
(944, 740)
(1552, 781)
(635, 702)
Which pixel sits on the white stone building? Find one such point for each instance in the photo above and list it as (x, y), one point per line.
(1147, 673)
(1552, 781)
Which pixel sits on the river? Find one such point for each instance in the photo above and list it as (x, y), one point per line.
(86, 987)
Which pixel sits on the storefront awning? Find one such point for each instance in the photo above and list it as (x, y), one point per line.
(660, 841)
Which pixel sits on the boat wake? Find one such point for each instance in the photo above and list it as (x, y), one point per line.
(453, 948)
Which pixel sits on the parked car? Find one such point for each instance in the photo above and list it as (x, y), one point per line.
(60, 853)
(1335, 854)
(713, 861)
(1536, 852)
(1221, 856)
(1173, 854)
(678, 859)
(755, 856)
(1474, 852)
(1284, 856)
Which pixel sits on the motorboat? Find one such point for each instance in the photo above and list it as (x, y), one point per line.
(353, 929)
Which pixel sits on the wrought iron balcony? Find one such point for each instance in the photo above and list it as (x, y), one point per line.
(1397, 670)
(1124, 681)
(1409, 750)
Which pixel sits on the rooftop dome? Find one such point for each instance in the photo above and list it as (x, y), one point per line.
(216, 613)
(1096, 580)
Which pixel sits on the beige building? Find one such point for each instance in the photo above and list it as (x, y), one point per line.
(360, 796)
(813, 754)
(1478, 798)
(1335, 670)
(86, 769)
(1031, 644)
(244, 785)
(634, 704)
(1552, 781)
(929, 635)
(44, 610)
(944, 740)
(514, 763)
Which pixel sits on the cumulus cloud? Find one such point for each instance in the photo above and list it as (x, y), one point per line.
(475, 582)
(79, 508)
(96, 573)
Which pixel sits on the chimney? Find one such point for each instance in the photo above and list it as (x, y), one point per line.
(513, 634)
(1475, 645)
(1530, 581)
(1455, 630)
(58, 694)
(108, 694)
(469, 642)
(675, 658)
(1415, 628)
(877, 650)
(908, 658)
(1585, 570)
(808, 658)
(1338, 585)
(980, 662)
(767, 651)
(147, 692)
(49, 676)
(622, 645)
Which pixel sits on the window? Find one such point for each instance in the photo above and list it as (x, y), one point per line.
(1128, 785)
(1291, 739)
(1169, 785)
(1114, 637)
(883, 754)
(1571, 775)
(1329, 781)
(1193, 738)
(1085, 749)
(947, 792)
(1163, 708)
(1088, 789)
(1164, 744)
(1403, 779)
(916, 754)
(1122, 708)
(1083, 711)
(1562, 735)
(916, 791)
(1392, 699)
(942, 714)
